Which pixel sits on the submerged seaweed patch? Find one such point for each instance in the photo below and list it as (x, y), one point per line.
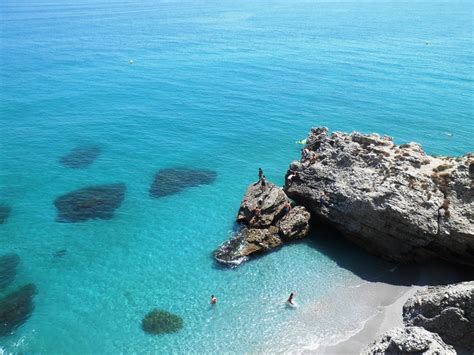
(60, 253)
(4, 213)
(80, 157)
(16, 308)
(8, 264)
(95, 202)
(172, 180)
(159, 322)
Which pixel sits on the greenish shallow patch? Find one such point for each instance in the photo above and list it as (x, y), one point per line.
(160, 322)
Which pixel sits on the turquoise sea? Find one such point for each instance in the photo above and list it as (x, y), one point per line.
(227, 86)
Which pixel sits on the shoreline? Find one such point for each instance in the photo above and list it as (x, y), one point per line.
(389, 315)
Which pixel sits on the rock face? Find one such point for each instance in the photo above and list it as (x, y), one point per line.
(409, 340)
(446, 310)
(294, 225)
(392, 200)
(273, 201)
(266, 229)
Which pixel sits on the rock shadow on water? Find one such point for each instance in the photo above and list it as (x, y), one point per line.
(80, 157)
(332, 244)
(95, 202)
(16, 308)
(171, 181)
(4, 213)
(8, 265)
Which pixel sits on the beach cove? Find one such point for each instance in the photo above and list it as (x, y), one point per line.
(223, 87)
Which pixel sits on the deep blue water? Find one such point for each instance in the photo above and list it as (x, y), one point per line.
(222, 85)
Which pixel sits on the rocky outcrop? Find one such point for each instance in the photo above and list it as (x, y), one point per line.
(271, 201)
(409, 340)
(294, 225)
(266, 221)
(446, 310)
(393, 200)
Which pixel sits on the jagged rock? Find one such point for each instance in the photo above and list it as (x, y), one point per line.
(247, 242)
(265, 230)
(446, 310)
(409, 340)
(295, 224)
(8, 264)
(4, 213)
(80, 157)
(394, 201)
(228, 253)
(95, 202)
(16, 308)
(171, 181)
(257, 240)
(273, 201)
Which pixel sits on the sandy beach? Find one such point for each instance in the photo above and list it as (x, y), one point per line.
(387, 299)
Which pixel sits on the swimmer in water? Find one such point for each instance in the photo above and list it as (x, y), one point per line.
(213, 299)
(290, 299)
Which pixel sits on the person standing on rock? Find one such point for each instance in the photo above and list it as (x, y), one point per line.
(263, 183)
(260, 174)
(287, 208)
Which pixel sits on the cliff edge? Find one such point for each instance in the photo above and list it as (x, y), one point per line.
(393, 200)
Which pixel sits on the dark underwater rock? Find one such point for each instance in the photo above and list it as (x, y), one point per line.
(16, 308)
(8, 264)
(172, 180)
(161, 322)
(60, 253)
(4, 213)
(80, 157)
(95, 202)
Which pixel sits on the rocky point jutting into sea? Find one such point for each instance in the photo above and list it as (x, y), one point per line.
(394, 201)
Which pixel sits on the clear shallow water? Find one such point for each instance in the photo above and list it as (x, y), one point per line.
(227, 86)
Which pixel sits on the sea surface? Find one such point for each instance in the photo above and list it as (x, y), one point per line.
(227, 86)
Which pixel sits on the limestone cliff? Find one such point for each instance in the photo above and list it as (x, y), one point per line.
(393, 200)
